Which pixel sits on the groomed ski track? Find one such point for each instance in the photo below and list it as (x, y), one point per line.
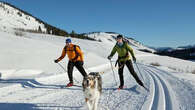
(46, 92)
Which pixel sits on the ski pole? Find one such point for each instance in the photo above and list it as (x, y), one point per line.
(66, 71)
(139, 71)
(86, 68)
(112, 60)
(113, 72)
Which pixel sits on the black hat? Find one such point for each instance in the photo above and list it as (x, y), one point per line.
(119, 36)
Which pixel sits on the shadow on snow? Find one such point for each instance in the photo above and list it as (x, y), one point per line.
(32, 83)
(133, 89)
(29, 106)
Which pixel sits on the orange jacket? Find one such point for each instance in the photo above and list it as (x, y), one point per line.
(70, 51)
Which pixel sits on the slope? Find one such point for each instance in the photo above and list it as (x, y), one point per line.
(34, 81)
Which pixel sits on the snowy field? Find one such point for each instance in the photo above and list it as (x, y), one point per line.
(30, 80)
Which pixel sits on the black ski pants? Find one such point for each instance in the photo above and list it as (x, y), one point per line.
(79, 66)
(129, 65)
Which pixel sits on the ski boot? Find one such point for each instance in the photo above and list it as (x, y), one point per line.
(69, 84)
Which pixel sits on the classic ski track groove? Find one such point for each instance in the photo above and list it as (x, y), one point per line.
(158, 99)
(169, 93)
(160, 88)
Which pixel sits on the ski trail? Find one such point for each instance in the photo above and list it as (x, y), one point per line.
(171, 101)
(168, 98)
(130, 97)
(158, 99)
(45, 93)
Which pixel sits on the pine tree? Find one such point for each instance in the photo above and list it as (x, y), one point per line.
(73, 34)
(39, 30)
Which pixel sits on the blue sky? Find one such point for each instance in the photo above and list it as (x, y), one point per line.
(158, 23)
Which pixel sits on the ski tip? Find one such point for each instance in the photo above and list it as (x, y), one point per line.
(65, 86)
(121, 88)
(146, 89)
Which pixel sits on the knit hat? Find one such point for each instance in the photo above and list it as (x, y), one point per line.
(68, 40)
(119, 36)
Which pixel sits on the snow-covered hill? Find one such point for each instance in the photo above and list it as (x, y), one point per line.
(111, 37)
(13, 18)
(31, 80)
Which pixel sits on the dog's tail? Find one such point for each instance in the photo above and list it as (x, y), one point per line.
(101, 72)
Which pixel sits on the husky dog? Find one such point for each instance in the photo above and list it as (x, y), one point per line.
(92, 88)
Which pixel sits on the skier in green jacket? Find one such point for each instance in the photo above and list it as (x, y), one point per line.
(123, 49)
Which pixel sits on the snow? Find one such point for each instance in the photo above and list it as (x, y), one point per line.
(110, 37)
(170, 62)
(10, 19)
(31, 80)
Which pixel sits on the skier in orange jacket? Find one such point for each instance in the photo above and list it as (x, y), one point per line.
(75, 56)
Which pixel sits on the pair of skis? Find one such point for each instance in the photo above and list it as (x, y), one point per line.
(125, 88)
(65, 86)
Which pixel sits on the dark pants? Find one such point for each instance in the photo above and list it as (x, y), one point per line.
(131, 69)
(79, 66)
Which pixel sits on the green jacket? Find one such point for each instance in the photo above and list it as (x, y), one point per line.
(123, 51)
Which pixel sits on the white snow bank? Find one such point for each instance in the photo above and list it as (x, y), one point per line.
(176, 64)
(5, 74)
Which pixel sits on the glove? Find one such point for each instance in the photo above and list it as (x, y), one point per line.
(56, 61)
(80, 63)
(109, 57)
(134, 59)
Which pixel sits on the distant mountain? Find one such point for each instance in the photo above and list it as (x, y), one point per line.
(13, 18)
(183, 52)
(161, 49)
(188, 46)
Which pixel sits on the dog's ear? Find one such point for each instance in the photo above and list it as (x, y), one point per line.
(101, 72)
(84, 84)
(100, 83)
(98, 75)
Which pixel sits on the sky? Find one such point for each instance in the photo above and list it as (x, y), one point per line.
(158, 23)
